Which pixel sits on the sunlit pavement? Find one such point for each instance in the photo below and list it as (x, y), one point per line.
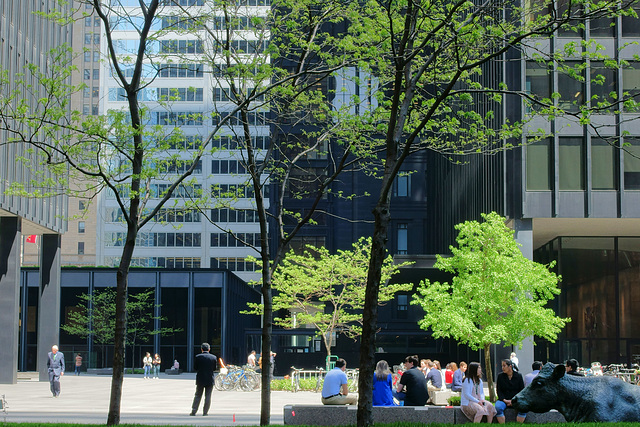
(85, 399)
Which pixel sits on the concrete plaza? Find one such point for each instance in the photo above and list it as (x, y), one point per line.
(84, 399)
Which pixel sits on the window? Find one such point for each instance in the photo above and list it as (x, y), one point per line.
(539, 165)
(602, 27)
(403, 235)
(402, 186)
(87, 21)
(631, 155)
(402, 305)
(94, 110)
(571, 164)
(603, 86)
(538, 81)
(80, 248)
(96, 38)
(95, 92)
(86, 109)
(571, 9)
(603, 165)
(96, 21)
(96, 74)
(81, 227)
(631, 24)
(96, 56)
(571, 87)
(81, 205)
(87, 74)
(87, 56)
(87, 38)
(86, 92)
(631, 83)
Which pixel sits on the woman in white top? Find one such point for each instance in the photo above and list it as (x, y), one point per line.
(472, 401)
(146, 364)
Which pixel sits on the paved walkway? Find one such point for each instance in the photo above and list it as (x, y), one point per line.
(167, 401)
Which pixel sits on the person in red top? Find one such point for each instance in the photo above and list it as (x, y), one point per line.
(448, 374)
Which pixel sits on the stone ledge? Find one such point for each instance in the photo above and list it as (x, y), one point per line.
(173, 371)
(331, 415)
(100, 371)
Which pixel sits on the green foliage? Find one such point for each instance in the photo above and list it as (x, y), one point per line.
(327, 290)
(454, 401)
(497, 295)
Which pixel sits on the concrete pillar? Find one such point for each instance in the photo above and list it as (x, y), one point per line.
(524, 236)
(10, 239)
(49, 304)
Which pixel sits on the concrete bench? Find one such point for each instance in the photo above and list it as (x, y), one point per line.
(331, 415)
(173, 371)
(441, 397)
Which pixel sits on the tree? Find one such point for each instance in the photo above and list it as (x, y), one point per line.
(327, 290)
(434, 93)
(128, 151)
(95, 316)
(496, 296)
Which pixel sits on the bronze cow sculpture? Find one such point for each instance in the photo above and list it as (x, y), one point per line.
(580, 399)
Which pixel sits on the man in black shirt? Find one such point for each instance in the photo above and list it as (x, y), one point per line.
(204, 366)
(572, 368)
(414, 382)
(509, 384)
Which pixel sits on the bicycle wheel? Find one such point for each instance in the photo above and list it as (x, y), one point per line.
(247, 383)
(219, 382)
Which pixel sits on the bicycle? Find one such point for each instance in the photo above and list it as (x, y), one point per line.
(352, 379)
(237, 377)
(295, 379)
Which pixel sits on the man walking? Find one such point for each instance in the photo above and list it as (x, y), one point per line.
(204, 366)
(55, 366)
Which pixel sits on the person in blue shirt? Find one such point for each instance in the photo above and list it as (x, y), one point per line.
(383, 385)
(458, 375)
(335, 390)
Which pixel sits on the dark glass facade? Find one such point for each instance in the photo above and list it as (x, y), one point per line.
(600, 291)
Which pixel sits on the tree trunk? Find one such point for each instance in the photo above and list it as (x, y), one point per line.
(370, 312)
(265, 408)
(487, 364)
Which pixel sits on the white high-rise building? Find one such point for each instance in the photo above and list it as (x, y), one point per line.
(182, 238)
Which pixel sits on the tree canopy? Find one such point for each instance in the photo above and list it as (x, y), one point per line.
(496, 296)
(327, 290)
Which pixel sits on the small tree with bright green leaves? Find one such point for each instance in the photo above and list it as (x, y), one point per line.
(327, 290)
(496, 295)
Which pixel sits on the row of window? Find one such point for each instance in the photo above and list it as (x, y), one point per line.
(602, 81)
(233, 264)
(88, 74)
(233, 215)
(183, 94)
(90, 38)
(167, 262)
(253, 119)
(163, 215)
(227, 166)
(155, 239)
(234, 143)
(181, 70)
(232, 191)
(223, 94)
(572, 164)
(178, 166)
(201, 2)
(227, 241)
(158, 190)
(89, 55)
(178, 118)
(130, 46)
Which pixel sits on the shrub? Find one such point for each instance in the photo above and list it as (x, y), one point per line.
(454, 401)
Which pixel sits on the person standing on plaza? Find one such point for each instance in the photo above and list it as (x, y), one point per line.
(515, 363)
(78, 363)
(147, 361)
(204, 367)
(156, 366)
(251, 360)
(335, 390)
(55, 366)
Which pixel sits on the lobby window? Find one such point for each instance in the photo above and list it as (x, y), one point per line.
(602, 27)
(603, 86)
(539, 165)
(402, 306)
(603, 164)
(402, 186)
(631, 155)
(80, 248)
(631, 83)
(538, 81)
(571, 163)
(403, 238)
(81, 227)
(571, 86)
(631, 24)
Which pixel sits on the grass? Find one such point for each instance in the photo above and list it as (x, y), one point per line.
(621, 424)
